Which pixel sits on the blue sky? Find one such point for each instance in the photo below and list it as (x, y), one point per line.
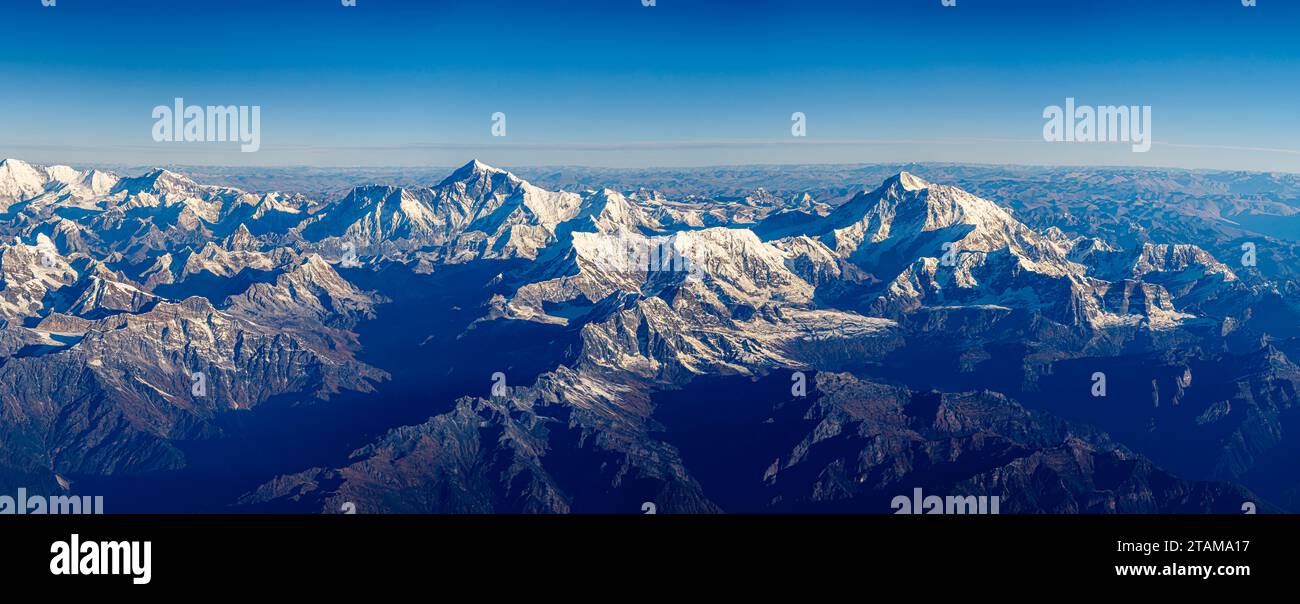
(684, 83)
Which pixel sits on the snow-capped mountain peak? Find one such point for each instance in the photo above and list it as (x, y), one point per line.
(64, 174)
(911, 182)
(20, 180)
(906, 218)
(160, 182)
(476, 170)
(99, 182)
(68, 185)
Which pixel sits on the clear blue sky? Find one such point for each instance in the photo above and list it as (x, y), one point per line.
(687, 82)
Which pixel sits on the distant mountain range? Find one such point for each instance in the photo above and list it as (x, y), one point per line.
(484, 344)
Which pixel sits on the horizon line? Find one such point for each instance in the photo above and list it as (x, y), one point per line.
(1063, 166)
(476, 149)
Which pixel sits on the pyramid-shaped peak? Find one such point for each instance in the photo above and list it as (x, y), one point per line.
(475, 167)
(474, 170)
(240, 240)
(158, 180)
(165, 177)
(909, 181)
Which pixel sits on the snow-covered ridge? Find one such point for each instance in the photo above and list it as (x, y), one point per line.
(21, 181)
(904, 246)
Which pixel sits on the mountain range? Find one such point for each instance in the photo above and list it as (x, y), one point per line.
(483, 344)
